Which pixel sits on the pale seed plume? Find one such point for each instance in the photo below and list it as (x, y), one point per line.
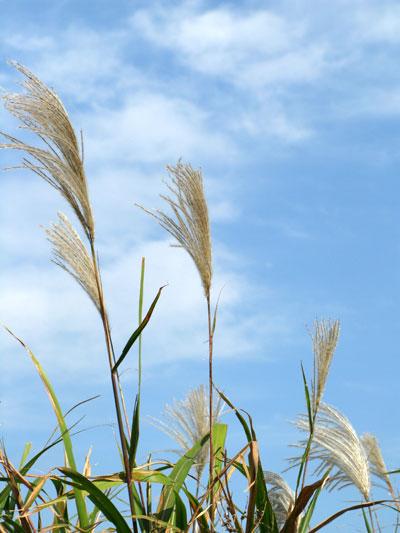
(190, 224)
(324, 344)
(377, 464)
(280, 495)
(58, 161)
(187, 421)
(336, 445)
(71, 255)
(374, 454)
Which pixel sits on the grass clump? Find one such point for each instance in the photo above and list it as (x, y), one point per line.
(66, 500)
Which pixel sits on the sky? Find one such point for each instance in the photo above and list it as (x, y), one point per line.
(291, 109)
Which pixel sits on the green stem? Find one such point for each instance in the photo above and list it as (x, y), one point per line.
(210, 371)
(140, 321)
(115, 391)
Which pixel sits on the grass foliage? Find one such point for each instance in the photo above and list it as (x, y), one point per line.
(165, 496)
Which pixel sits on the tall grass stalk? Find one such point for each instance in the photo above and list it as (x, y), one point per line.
(60, 163)
(343, 458)
(190, 226)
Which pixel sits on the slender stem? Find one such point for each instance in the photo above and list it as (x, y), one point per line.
(307, 459)
(123, 404)
(140, 321)
(210, 368)
(372, 518)
(140, 353)
(115, 390)
(390, 487)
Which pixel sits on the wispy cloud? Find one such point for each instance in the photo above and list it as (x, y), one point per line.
(79, 59)
(152, 127)
(246, 47)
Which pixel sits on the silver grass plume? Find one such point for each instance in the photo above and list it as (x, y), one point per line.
(190, 225)
(324, 345)
(187, 421)
(374, 454)
(377, 464)
(280, 495)
(59, 161)
(336, 445)
(71, 255)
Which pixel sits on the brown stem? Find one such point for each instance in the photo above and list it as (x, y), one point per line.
(115, 390)
(210, 368)
(372, 518)
(390, 487)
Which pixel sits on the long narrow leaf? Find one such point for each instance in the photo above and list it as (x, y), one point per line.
(25, 454)
(138, 331)
(304, 459)
(304, 497)
(99, 499)
(239, 416)
(80, 503)
(134, 433)
(305, 521)
(367, 524)
(267, 523)
(343, 511)
(177, 477)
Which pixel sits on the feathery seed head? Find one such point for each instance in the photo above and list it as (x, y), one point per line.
(71, 255)
(187, 421)
(190, 224)
(374, 454)
(280, 495)
(336, 444)
(58, 162)
(324, 343)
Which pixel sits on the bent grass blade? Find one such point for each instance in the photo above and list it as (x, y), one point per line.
(80, 504)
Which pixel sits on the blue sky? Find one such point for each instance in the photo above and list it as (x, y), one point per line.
(292, 111)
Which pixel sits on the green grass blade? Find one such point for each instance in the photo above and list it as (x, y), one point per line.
(239, 416)
(80, 503)
(138, 331)
(194, 505)
(268, 522)
(149, 508)
(98, 498)
(308, 400)
(178, 477)
(136, 416)
(133, 445)
(12, 526)
(219, 437)
(311, 434)
(367, 525)
(180, 514)
(25, 454)
(141, 292)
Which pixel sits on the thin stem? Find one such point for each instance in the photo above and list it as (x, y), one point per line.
(140, 321)
(372, 518)
(123, 405)
(307, 458)
(210, 367)
(115, 390)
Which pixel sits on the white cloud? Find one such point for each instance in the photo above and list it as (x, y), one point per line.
(77, 62)
(152, 127)
(215, 39)
(247, 48)
(379, 23)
